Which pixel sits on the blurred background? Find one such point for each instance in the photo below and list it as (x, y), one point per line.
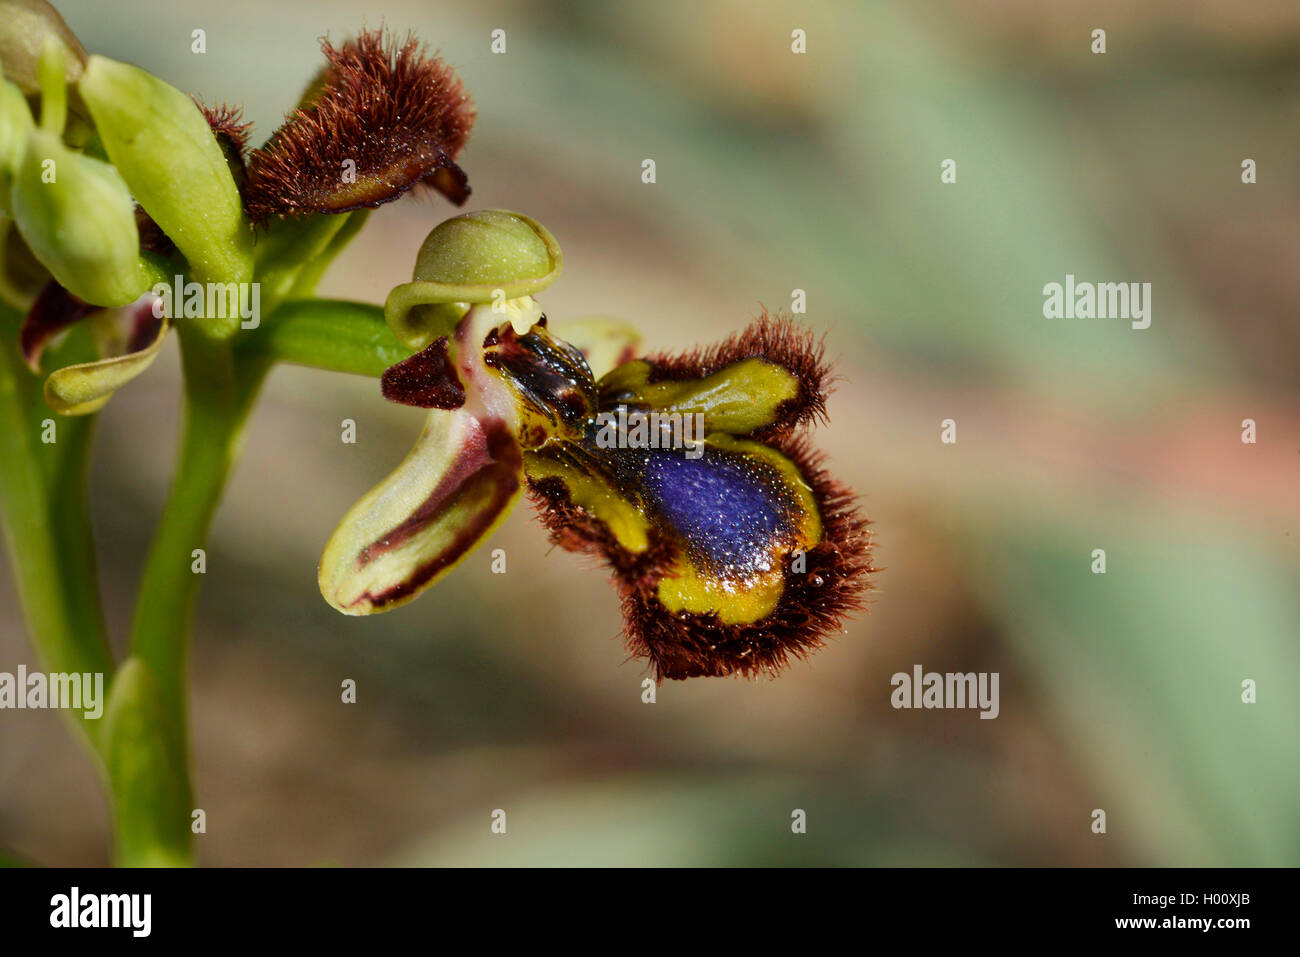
(777, 172)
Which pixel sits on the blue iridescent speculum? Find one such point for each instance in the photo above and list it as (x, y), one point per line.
(691, 476)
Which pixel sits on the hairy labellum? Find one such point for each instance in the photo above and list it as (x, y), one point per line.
(758, 601)
(734, 561)
(381, 122)
(773, 359)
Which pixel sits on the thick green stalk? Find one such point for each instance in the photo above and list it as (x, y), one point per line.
(217, 401)
(333, 334)
(47, 519)
(304, 284)
(146, 744)
(289, 245)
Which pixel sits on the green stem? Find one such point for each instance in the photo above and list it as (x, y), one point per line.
(146, 744)
(332, 334)
(289, 245)
(217, 402)
(47, 519)
(304, 284)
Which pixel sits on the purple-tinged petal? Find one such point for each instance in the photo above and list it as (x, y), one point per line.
(84, 388)
(453, 489)
(54, 310)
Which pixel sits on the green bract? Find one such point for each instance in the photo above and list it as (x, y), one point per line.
(484, 257)
(77, 217)
(163, 147)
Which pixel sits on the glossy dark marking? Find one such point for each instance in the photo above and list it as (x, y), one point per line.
(550, 375)
(731, 511)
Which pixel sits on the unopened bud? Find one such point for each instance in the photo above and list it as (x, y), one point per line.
(76, 215)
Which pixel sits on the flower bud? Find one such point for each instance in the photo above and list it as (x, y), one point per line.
(491, 256)
(25, 26)
(162, 145)
(76, 215)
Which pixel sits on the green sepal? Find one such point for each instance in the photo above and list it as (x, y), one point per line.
(163, 147)
(739, 398)
(454, 488)
(490, 256)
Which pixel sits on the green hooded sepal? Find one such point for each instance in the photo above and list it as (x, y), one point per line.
(491, 256)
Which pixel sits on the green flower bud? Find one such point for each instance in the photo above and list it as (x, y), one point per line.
(25, 26)
(163, 147)
(77, 217)
(491, 256)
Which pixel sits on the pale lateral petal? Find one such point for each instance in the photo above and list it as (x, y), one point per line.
(453, 489)
(84, 388)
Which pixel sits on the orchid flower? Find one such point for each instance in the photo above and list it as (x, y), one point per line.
(732, 550)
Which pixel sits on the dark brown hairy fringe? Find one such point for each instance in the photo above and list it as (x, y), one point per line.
(402, 117)
(814, 605)
(778, 339)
